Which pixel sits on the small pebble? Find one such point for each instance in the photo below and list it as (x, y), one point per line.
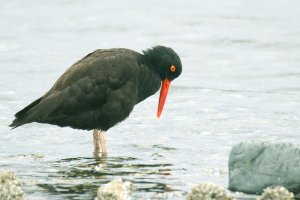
(10, 187)
(278, 193)
(115, 190)
(208, 191)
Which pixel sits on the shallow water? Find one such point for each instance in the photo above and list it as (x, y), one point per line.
(240, 81)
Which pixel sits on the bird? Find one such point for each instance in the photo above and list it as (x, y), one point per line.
(101, 90)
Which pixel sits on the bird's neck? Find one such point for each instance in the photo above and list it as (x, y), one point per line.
(149, 82)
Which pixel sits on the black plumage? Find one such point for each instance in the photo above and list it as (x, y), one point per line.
(101, 89)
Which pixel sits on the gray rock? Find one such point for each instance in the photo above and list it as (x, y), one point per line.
(255, 166)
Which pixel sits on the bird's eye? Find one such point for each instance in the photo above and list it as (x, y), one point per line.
(172, 68)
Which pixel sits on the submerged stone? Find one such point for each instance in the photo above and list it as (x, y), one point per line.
(254, 166)
(208, 191)
(10, 187)
(115, 190)
(278, 193)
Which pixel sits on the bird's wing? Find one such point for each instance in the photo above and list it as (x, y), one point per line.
(102, 83)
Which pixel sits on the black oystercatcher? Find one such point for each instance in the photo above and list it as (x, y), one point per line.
(101, 90)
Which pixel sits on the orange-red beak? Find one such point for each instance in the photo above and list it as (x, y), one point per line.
(163, 95)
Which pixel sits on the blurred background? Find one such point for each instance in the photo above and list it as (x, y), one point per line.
(240, 81)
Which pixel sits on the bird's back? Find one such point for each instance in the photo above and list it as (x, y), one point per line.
(98, 91)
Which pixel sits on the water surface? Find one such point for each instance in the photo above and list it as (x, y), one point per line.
(240, 81)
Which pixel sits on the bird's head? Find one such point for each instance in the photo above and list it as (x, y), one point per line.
(166, 62)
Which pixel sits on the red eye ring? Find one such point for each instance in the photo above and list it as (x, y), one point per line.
(172, 68)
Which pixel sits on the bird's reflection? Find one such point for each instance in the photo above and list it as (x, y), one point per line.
(83, 175)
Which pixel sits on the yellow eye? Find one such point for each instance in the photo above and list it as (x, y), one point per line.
(172, 68)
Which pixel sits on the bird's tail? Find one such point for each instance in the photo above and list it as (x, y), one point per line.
(22, 117)
(16, 123)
